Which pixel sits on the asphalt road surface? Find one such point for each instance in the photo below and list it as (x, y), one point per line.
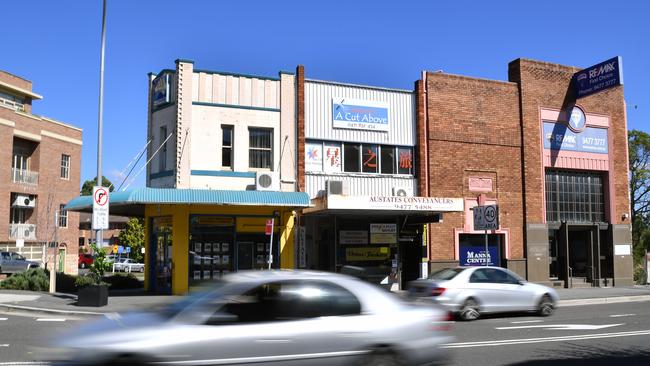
(594, 335)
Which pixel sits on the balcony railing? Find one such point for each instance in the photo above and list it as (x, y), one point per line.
(22, 231)
(12, 104)
(24, 176)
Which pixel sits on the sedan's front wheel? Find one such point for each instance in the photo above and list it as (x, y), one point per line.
(381, 358)
(546, 306)
(470, 310)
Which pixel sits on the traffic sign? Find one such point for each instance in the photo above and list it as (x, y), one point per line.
(120, 249)
(486, 217)
(115, 249)
(100, 208)
(269, 226)
(128, 249)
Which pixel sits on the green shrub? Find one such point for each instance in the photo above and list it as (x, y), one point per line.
(640, 276)
(66, 283)
(34, 279)
(123, 281)
(83, 281)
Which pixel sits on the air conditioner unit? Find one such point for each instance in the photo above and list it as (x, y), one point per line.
(267, 181)
(402, 191)
(337, 187)
(22, 200)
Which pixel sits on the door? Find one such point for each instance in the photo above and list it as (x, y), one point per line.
(244, 255)
(485, 285)
(61, 264)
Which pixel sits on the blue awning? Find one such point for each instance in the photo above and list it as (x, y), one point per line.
(132, 202)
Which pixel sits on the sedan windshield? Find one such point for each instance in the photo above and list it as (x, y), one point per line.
(445, 274)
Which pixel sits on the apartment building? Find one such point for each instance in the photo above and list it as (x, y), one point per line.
(39, 173)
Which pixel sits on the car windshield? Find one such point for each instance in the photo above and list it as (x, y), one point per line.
(216, 289)
(445, 274)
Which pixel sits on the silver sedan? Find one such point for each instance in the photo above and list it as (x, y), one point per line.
(471, 291)
(280, 317)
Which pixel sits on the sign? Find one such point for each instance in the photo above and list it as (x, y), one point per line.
(100, 208)
(314, 157)
(332, 163)
(475, 255)
(486, 217)
(599, 77)
(302, 250)
(128, 250)
(622, 249)
(115, 249)
(160, 87)
(269, 226)
(353, 237)
(367, 254)
(20, 243)
(558, 136)
(383, 233)
(395, 203)
(577, 119)
(120, 249)
(359, 114)
(213, 221)
(480, 184)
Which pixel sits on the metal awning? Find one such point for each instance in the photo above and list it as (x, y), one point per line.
(132, 202)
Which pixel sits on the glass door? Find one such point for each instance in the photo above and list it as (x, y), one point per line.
(244, 255)
(161, 255)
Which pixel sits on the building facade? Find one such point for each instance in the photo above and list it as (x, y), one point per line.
(41, 171)
(556, 166)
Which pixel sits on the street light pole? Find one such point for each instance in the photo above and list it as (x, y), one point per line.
(99, 238)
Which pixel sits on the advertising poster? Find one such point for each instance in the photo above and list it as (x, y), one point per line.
(360, 114)
(332, 163)
(225, 247)
(475, 256)
(207, 248)
(383, 233)
(367, 254)
(313, 157)
(353, 237)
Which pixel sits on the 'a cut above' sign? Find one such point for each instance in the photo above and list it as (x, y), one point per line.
(360, 114)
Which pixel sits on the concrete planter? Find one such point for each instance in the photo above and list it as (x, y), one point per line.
(95, 295)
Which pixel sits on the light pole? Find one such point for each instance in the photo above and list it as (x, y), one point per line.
(99, 238)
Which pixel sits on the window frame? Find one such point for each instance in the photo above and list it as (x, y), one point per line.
(65, 167)
(162, 158)
(63, 217)
(261, 149)
(231, 130)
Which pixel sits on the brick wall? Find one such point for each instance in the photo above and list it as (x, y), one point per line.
(300, 122)
(473, 129)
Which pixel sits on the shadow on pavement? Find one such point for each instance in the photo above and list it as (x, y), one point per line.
(592, 356)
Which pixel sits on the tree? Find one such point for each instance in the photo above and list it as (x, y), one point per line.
(133, 236)
(639, 151)
(87, 188)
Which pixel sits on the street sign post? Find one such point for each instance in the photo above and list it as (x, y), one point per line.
(269, 232)
(486, 218)
(100, 208)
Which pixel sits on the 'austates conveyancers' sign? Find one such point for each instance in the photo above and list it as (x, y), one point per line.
(599, 77)
(359, 114)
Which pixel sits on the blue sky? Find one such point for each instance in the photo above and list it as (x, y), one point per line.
(385, 43)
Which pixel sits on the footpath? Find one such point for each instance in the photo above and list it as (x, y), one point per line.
(65, 304)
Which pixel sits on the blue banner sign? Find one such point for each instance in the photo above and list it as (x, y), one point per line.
(359, 114)
(475, 255)
(557, 136)
(599, 77)
(120, 249)
(160, 86)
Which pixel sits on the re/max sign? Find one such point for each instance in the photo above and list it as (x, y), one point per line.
(599, 77)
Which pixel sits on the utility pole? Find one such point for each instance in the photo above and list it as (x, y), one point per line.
(56, 250)
(99, 238)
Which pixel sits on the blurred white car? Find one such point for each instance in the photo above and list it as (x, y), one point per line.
(268, 317)
(471, 291)
(128, 265)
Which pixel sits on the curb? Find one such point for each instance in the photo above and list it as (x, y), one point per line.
(603, 300)
(53, 311)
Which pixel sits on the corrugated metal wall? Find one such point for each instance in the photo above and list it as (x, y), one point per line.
(242, 90)
(360, 185)
(318, 114)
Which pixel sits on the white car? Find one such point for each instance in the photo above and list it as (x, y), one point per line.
(128, 265)
(471, 291)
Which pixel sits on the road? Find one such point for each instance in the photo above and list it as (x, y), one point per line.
(595, 335)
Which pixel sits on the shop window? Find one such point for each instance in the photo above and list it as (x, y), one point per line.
(260, 153)
(574, 196)
(65, 166)
(405, 160)
(226, 146)
(388, 160)
(369, 159)
(351, 157)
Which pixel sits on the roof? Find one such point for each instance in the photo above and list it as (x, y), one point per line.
(21, 91)
(132, 202)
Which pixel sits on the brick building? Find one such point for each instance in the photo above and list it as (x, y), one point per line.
(563, 195)
(40, 171)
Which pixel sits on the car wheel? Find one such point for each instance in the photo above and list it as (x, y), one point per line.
(381, 358)
(470, 310)
(546, 306)
(83, 265)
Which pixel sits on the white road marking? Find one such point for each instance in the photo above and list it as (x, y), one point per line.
(4, 345)
(3, 318)
(563, 326)
(50, 320)
(526, 321)
(621, 315)
(507, 342)
(22, 363)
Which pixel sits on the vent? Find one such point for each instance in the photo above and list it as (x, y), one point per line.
(338, 187)
(267, 181)
(22, 200)
(402, 191)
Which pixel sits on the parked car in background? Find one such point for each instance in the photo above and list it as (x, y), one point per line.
(11, 262)
(128, 265)
(268, 317)
(472, 291)
(86, 260)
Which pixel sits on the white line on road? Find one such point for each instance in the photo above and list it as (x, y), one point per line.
(4, 345)
(621, 315)
(21, 363)
(563, 326)
(3, 318)
(50, 320)
(526, 321)
(507, 342)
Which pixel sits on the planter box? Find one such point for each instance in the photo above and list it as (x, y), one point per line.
(93, 296)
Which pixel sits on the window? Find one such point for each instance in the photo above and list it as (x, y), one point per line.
(405, 160)
(65, 166)
(226, 146)
(351, 158)
(369, 159)
(260, 153)
(574, 196)
(162, 159)
(63, 216)
(388, 160)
